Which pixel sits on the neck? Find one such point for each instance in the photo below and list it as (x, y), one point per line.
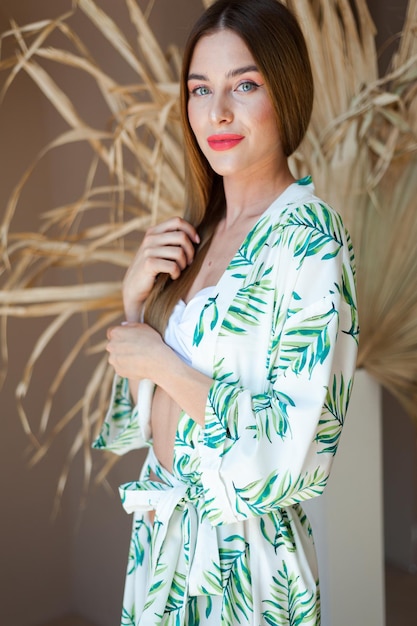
(247, 198)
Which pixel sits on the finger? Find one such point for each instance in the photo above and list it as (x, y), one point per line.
(155, 266)
(109, 332)
(179, 239)
(112, 330)
(176, 224)
(170, 253)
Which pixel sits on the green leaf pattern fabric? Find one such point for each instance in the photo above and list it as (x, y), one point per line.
(231, 544)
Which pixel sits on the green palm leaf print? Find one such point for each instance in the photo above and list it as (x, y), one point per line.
(223, 423)
(141, 536)
(175, 600)
(187, 433)
(275, 338)
(312, 228)
(250, 248)
(276, 528)
(123, 431)
(193, 615)
(290, 605)
(274, 491)
(249, 305)
(334, 411)
(232, 578)
(307, 344)
(348, 290)
(244, 314)
(271, 415)
(156, 586)
(209, 308)
(213, 579)
(306, 180)
(237, 582)
(128, 617)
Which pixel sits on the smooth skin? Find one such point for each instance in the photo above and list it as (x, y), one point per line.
(227, 95)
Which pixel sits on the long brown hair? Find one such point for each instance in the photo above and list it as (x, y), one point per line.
(274, 38)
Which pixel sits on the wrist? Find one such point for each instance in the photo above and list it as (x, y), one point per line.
(133, 311)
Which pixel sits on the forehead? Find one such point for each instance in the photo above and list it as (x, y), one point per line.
(220, 50)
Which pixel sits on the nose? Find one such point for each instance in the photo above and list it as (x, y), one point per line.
(221, 110)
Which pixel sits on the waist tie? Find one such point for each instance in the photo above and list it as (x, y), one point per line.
(196, 546)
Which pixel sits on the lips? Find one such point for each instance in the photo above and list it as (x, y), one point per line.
(225, 141)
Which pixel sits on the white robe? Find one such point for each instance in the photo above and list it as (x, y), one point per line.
(231, 543)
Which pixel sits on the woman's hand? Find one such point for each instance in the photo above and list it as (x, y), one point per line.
(134, 350)
(167, 248)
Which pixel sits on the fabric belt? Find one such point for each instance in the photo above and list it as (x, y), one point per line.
(198, 550)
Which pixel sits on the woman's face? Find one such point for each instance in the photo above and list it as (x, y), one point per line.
(229, 107)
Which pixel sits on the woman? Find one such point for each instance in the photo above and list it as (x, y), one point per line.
(239, 376)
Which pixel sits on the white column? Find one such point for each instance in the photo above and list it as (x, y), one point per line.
(347, 519)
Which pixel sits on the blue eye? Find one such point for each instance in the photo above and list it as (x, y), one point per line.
(247, 86)
(200, 91)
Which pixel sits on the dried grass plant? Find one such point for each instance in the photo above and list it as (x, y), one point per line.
(361, 149)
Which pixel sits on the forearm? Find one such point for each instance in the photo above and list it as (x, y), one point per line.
(188, 387)
(132, 315)
(137, 351)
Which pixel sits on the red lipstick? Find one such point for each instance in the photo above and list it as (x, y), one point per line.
(224, 141)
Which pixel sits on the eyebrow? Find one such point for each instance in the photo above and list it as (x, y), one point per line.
(232, 74)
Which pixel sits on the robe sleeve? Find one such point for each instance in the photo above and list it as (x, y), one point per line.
(263, 451)
(126, 426)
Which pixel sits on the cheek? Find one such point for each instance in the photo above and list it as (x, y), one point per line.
(192, 117)
(266, 117)
(268, 132)
(196, 126)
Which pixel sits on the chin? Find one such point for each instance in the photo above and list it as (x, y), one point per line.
(222, 169)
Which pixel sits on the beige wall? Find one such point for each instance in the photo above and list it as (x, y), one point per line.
(34, 579)
(76, 563)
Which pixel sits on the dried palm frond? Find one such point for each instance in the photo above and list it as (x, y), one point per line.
(141, 152)
(361, 149)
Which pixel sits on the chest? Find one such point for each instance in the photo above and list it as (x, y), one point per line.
(223, 249)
